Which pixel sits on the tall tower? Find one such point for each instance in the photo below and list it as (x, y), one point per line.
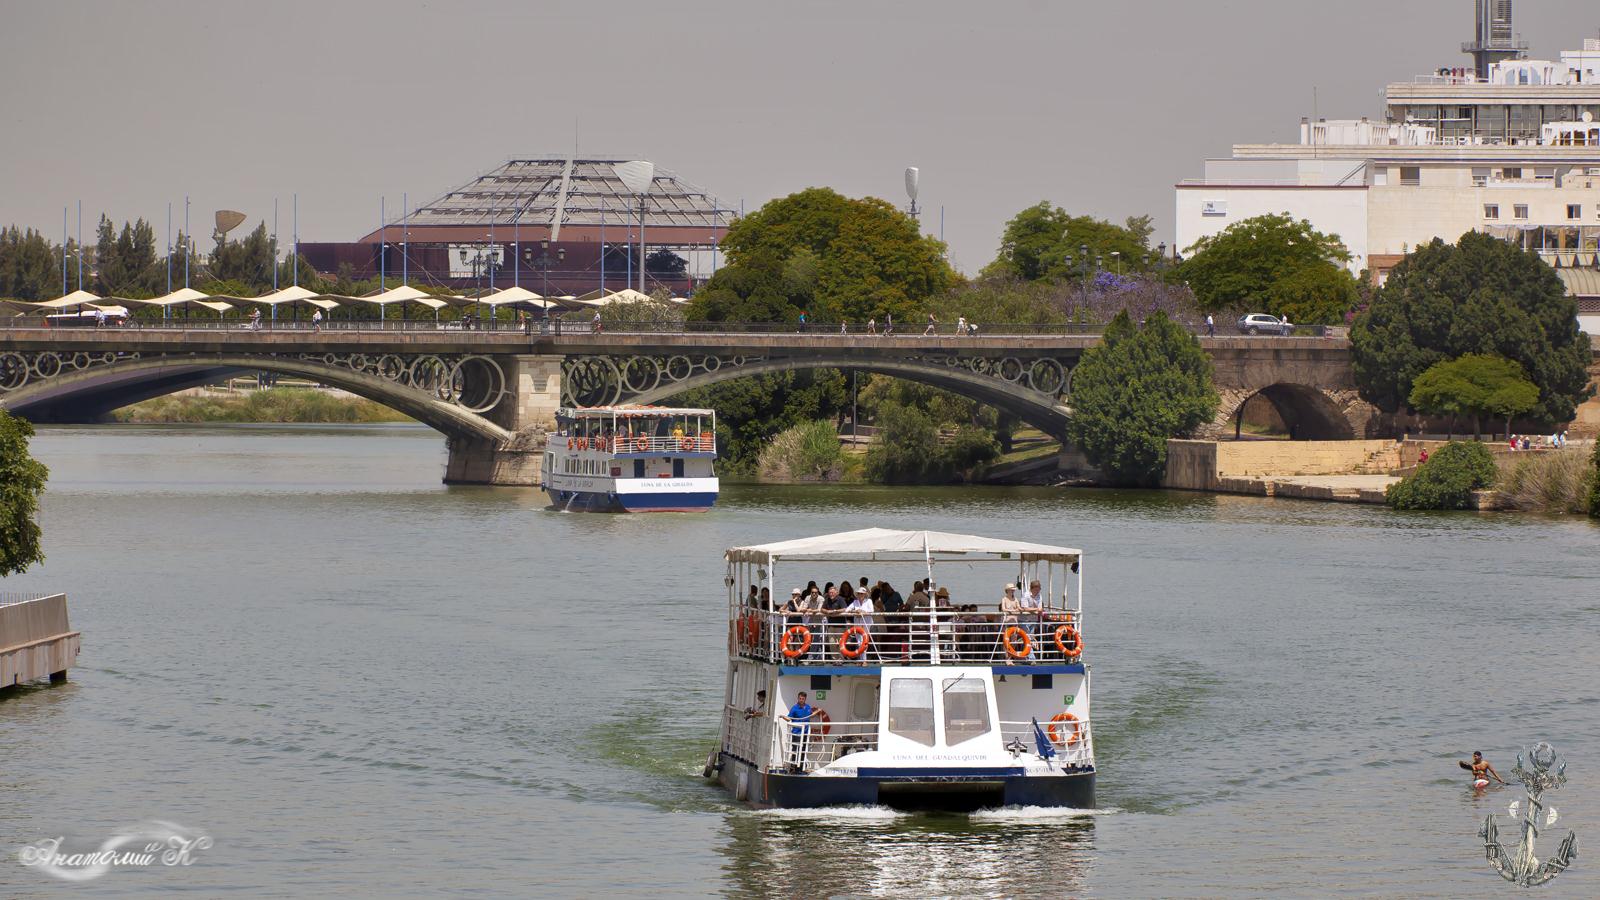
(1494, 39)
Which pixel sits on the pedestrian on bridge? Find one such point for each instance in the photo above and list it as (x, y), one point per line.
(872, 326)
(316, 320)
(1211, 326)
(933, 325)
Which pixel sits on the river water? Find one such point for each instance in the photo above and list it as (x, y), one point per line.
(356, 680)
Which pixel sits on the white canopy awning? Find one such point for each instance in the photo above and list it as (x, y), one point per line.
(626, 295)
(402, 294)
(76, 298)
(291, 294)
(108, 309)
(887, 544)
(179, 297)
(518, 297)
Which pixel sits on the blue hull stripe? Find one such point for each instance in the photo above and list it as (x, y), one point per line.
(593, 501)
(1067, 669)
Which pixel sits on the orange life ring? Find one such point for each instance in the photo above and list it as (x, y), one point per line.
(821, 715)
(796, 631)
(641, 444)
(687, 443)
(583, 443)
(600, 443)
(861, 646)
(1063, 634)
(569, 443)
(1011, 648)
(1059, 720)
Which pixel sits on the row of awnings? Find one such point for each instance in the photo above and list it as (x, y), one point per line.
(512, 297)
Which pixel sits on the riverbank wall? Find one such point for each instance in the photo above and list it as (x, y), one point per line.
(1252, 467)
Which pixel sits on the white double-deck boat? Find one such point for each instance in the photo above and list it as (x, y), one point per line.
(632, 459)
(944, 707)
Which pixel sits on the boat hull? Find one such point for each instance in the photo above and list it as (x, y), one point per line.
(952, 790)
(587, 501)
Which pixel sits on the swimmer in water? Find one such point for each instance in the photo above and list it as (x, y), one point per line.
(1481, 770)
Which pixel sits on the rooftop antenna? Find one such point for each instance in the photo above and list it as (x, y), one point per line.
(637, 176)
(227, 220)
(912, 176)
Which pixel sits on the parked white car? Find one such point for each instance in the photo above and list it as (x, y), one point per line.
(1261, 323)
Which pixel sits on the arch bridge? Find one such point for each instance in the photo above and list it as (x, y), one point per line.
(492, 394)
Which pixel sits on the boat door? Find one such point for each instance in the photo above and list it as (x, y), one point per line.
(926, 710)
(677, 468)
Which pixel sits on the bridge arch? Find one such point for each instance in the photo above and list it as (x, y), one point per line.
(56, 390)
(1310, 413)
(1047, 412)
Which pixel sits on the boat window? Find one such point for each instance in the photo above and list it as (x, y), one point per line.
(966, 710)
(864, 702)
(911, 709)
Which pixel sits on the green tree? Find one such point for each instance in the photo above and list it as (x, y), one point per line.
(751, 411)
(809, 451)
(1037, 241)
(1136, 389)
(30, 266)
(1475, 385)
(21, 482)
(1446, 480)
(1480, 295)
(907, 447)
(249, 261)
(1271, 261)
(830, 255)
(1594, 484)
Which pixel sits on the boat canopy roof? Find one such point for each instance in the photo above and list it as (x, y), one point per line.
(874, 544)
(606, 412)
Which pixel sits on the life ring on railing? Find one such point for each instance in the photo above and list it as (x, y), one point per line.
(796, 631)
(583, 443)
(821, 716)
(600, 443)
(641, 444)
(686, 444)
(742, 626)
(1067, 634)
(1011, 648)
(569, 443)
(1060, 719)
(861, 645)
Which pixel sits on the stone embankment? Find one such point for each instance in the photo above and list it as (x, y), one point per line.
(1347, 471)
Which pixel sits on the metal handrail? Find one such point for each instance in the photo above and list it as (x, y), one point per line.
(1069, 752)
(805, 747)
(893, 638)
(706, 442)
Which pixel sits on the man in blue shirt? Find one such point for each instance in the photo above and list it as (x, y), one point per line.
(799, 735)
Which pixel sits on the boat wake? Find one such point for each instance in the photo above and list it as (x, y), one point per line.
(836, 813)
(1010, 814)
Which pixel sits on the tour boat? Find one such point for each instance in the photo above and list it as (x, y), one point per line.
(946, 707)
(631, 459)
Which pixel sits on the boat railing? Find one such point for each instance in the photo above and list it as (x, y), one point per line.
(1051, 637)
(705, 442)
(805, 746)
(1071, 740)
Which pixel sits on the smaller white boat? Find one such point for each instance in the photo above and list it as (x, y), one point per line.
(632, 459)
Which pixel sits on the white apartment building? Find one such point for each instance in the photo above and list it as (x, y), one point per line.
(1514, 152)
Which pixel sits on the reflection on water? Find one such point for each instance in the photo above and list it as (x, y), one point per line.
(360, 681)
(877, 852)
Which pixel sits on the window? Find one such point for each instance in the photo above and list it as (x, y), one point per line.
(1545, 174)
(1520, 210)
(966, 710)
(1491, 210)
(1511, 174)
(911, 709)
(1411, 175)
(1574, 210)
(1480, 177)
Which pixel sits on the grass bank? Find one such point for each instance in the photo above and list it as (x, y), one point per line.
(279, 404)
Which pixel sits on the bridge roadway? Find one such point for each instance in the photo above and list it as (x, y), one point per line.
(493, 393)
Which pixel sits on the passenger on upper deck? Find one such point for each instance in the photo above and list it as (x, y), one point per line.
(861, 608)
(1010, 606)
(750, 600)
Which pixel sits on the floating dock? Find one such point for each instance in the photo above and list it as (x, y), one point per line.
(36, 639)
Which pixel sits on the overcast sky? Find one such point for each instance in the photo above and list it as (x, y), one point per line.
(1097, 107)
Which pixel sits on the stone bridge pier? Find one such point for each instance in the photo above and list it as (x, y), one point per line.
(527, 410)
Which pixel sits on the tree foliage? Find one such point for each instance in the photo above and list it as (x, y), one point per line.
(809, 451)
(30, 265)
(831, 256)
(751, 411)
(1474, 385)
(1446, 480)
(1037, 241)
(1481, 295)
(1594, 484)
(1273, 263)
(908, 449)
(22, 480)
(1134, 390)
